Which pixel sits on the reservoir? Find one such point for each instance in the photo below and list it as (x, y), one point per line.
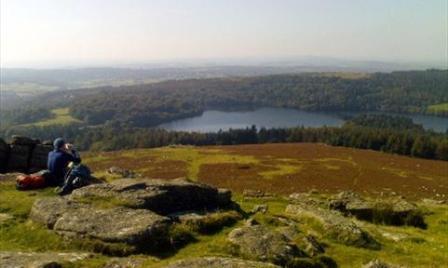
(213, 121)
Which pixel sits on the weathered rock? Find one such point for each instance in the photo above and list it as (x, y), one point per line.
(19, 156)
(337, 226)
(392, 211)
(39, 260)
(313, 247)
(4, 217)
(208, 222)
(114, 225)
(248, 193)
(379, 264)
(23, 140)
(260, 208)
(39, 157)
(161, 196)
(261, 244)
(224, 197)
(48, 210)
(308, 199)
(4, 153)
(125, 173)
(126, 262)
(219, 262)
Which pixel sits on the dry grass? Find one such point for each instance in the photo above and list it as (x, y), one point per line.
(287, 168)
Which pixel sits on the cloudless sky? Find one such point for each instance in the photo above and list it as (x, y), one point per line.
(71, 32)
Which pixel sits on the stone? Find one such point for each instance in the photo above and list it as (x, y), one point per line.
(337, 227)
(224, 197)
(19, 156)
(16, 139)
(313, 247)
(39, 157)
(4, 153)
(248, 193)
(208, 222)
(39, 260)
(251, 222)
(125, 173)
(126, 262)
(430, 201)
(379, 264)
(5, 217)
(260, 208)
(262, 244)
(114, 225)
(307, 199)
(390, 211)
(219, 262)
(161, 196)
(48, 210)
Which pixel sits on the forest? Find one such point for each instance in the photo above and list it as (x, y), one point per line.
(372, 132)
(149, 105)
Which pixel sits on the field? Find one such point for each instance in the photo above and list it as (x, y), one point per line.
(437, 108)
(286, 168)
(276, 168)
(61, 117)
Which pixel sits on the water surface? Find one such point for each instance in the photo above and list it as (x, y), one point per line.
(213, 121)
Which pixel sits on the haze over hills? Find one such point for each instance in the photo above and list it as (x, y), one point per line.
(19, 84)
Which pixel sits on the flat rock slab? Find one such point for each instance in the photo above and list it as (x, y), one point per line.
(10, 259)
(161, 196)
(389, 211)
(4, 217)
(338, 227)
(219, 262)
(262, 244)
(118, 224)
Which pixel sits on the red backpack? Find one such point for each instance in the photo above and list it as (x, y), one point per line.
(30, 182)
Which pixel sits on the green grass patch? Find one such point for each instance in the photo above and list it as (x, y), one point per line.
(195, 158)
(61, 117)
(438, 108)
(281, 170)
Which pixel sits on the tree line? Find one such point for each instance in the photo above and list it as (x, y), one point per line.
(149, 105)
(115, 136)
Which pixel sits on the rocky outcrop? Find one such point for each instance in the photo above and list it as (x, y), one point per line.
(336, 226)
(161, 196)
(262, 244)
(39, 260)
(133, 213)
(207, 222)
(391, 211)
(4, 152)
(39, 157)
(219, 262)
(23, 155)
(112, 225)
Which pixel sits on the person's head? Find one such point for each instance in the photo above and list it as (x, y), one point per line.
(58, 144)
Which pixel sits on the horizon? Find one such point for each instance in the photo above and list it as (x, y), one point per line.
(75, 34)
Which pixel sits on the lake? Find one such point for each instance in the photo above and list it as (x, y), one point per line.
(213, 121)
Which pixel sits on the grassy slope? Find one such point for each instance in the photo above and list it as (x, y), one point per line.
(61, 117)
(286, 168)
(436, 108)
(420, 248)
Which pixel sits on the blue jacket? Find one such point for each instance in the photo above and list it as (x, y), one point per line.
(58, 161)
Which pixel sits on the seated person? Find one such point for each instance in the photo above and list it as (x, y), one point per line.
(58, 161)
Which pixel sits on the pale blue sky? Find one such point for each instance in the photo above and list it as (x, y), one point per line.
(126, 31)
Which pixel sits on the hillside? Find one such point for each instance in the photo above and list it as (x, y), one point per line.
(317, 226)
(148, 105)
